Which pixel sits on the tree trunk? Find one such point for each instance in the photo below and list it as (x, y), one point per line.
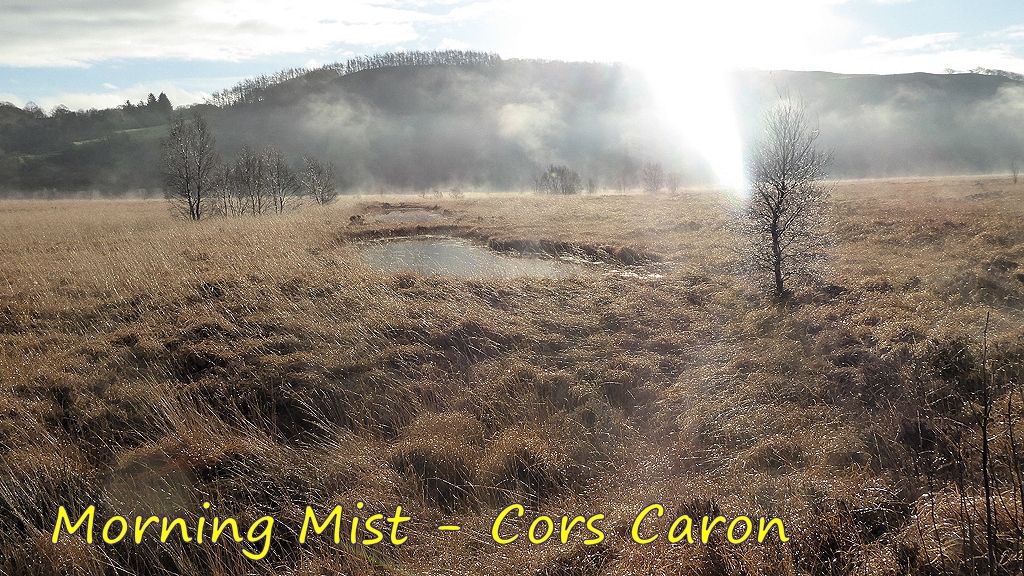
(777, 262)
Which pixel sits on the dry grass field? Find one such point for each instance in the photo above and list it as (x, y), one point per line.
(149, 365)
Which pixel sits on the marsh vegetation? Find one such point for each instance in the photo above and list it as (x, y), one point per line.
(151, 364)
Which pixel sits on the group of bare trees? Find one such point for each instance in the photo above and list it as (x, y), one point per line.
(558, 180)
(256, 183)
(653, 178)
(259, 183)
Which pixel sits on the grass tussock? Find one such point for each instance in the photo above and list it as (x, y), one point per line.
(148, 366)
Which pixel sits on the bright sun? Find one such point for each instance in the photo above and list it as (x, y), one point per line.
(707, 118)
(687, 50)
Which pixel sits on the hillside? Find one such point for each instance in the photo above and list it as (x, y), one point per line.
(114, 150)
(904, 124)
(479, 126)
(493, 124)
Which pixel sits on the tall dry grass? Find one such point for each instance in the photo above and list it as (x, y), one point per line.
(149, 365)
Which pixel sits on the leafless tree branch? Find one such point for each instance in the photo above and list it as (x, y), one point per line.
(786, 210)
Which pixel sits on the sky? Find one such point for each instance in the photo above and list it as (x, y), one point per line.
(100, 53)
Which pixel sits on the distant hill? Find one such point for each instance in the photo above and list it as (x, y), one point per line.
(424, 120)
(490, 126)
(903, 124)
(115, 150)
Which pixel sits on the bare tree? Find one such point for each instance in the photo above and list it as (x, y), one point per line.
(627, 173)
(283, 184)
(318, 181)
(653, 176)
(190, 166)
(249, 183)
(559, 180)
(225, 204)
(785, 213)
(674, 180)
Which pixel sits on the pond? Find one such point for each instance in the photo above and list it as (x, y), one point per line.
(456, 258)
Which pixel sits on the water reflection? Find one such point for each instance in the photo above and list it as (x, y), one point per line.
(456, 258)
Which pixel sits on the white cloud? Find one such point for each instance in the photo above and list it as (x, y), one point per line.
(86, 100)
(12, 98)
(887, 46)
(51, 33)
(55, 33)
(920, 53)
(653, 34)
(707, 34)
(452, 44)
(1010, 33)
(474, 10)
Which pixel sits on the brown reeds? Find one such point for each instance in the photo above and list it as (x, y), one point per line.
(149, 365)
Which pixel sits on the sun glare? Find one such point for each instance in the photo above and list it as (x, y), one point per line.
(699, 106)
(687, 51)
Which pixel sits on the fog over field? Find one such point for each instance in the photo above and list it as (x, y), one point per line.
(905, 124)
(492, 124)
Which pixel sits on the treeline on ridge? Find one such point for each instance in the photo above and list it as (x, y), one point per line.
(253, 90)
